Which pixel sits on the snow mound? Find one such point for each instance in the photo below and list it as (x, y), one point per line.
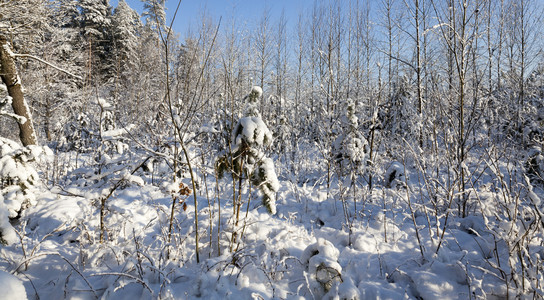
(324, 271)
(11, 287)
(395, 177)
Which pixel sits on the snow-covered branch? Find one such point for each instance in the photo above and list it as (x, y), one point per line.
(49, 64)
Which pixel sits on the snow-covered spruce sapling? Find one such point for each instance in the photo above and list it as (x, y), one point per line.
(7, 233)
(534, 165)
(17, 178)
(246, 159)
(350, 150)
(351, 146)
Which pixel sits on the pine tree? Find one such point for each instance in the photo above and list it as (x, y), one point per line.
(23, 23)
(155, 14)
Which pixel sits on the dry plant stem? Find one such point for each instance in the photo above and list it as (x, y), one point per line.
(138, 254)
(102, 213)
(143, 283)
(245, 219)
(23, 247)
(210, 206)
(66, 260)
(412, 213)
(341, 190)
(354, 189)
(420, 173)
(233, 175)
(371, 154)
(233, 199)
(177, 127)
(34, 287)
(194, 196)
(218, 213)
(384, 219)
(112, 190)
(445, 224)
(236, 206)
(170, 225)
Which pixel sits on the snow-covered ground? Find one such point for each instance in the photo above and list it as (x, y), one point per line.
(315, 246)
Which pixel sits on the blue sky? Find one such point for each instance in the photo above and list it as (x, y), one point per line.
(191, 10)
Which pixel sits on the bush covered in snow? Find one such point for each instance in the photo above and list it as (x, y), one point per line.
(535, 165)
(394, 176)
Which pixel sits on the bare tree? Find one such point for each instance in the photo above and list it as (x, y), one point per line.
(263, 46)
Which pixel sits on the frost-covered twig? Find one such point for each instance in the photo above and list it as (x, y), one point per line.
(420, 243)
(33, 286)
(112, 190)
(143, 283)
(26, 261)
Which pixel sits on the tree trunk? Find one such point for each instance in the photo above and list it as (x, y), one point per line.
(8, 73)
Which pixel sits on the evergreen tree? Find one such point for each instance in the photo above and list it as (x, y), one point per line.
(66, 13)
(23, 23)
(126, 26)
(402, 120)
(247, 159)
(95, 24)
(350, 146)
(155, 14)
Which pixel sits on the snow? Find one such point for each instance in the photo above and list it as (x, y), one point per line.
(7, 233)
(308, 241)
(324, 272)
(11, 287)
(395, 177)
(253, 131)
(7, 48)
(103, 103)
(257, 91)
(16, 168)
(340, 186)
(303, 251)
(116, 133)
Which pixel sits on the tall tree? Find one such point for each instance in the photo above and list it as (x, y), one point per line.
(126, 26)
(95, 24)
(263, 48)
(10, 77)
(155, 14)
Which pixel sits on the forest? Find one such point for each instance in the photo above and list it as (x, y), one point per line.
(366, 149)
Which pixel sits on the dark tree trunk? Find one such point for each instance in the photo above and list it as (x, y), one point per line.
(10, 77)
